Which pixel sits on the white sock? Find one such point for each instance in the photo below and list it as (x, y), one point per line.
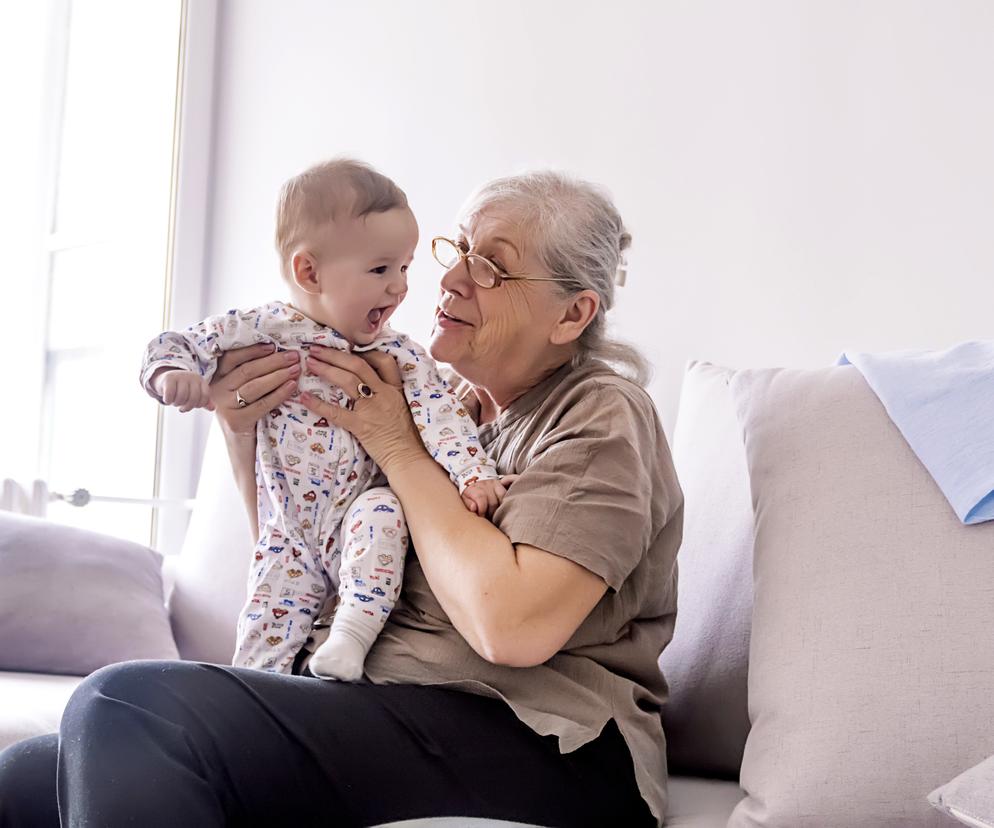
(342, 655)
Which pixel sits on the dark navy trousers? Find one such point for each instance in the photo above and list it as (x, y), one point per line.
(187, 745)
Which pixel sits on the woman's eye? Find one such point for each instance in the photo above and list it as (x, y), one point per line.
(462, 245)
(496, 263)
(379, 270)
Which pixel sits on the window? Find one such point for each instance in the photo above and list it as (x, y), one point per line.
(85, 269)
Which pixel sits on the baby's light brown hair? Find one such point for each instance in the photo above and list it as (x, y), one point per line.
(326, 191)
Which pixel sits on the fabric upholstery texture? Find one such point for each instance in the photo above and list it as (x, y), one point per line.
(210, 575)
(970, 796)
(72, 600)
(706, 664)
(870, 673)
(32, 704)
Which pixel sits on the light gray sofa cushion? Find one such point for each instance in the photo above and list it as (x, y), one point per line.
(870, 669)
(706, 664)
(72, 601)
(210, 575)
(970, 796)
(32, 704)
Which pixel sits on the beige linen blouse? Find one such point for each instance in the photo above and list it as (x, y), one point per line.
(596, 486)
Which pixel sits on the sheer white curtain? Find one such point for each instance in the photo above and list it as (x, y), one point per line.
(89, 102)
(25, 136)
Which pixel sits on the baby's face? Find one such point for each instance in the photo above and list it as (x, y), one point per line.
(362, 273)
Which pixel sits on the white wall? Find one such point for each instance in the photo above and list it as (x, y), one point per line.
(799, 177)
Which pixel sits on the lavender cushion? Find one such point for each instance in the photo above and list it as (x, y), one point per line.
(72, 601)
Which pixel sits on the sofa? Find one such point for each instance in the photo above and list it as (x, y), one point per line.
(832, 661)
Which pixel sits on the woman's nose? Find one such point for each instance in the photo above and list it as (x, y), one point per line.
(456, 279)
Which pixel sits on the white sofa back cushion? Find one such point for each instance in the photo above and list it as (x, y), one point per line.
(871, 669)
(706, 664)
(211, 573)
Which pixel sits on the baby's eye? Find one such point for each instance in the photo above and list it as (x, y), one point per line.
(404, 268)
(379, 271)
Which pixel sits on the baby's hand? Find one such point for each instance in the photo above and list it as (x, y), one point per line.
(182, 389)
(484, 496)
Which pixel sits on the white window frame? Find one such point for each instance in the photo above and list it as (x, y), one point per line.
(180, 439)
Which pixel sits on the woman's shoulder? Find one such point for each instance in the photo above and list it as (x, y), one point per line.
(620, 417)
(596, 385)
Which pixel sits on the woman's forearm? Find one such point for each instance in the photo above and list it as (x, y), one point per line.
(469, 563)
(241, 453)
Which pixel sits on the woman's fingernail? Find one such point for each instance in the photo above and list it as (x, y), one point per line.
(290, 356)
(294, 369)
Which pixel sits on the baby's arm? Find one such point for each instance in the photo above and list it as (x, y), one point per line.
(178, 365)
(446, 428)
(182, 389)
(484, 496)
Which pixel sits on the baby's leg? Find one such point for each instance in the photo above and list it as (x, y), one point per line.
(286, 591)
(373, 537)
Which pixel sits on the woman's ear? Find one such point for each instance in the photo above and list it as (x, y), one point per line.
(304, 272)
(578, 312)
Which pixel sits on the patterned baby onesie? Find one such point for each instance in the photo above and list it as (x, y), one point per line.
(315, 531)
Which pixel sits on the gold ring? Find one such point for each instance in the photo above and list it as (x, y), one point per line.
(364, 390)
(242, 402)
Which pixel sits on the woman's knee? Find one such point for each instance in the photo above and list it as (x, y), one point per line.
(128, 689)
(27, 783)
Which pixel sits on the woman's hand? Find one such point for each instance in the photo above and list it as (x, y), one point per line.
(264, 379)
(381, 422)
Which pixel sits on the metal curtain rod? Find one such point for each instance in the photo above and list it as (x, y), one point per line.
(81, 497)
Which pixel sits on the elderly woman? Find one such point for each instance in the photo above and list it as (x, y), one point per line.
(517, 677)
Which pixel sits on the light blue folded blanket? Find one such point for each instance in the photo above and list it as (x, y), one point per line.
(943, 404)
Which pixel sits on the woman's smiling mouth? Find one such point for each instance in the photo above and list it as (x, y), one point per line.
(446, 320)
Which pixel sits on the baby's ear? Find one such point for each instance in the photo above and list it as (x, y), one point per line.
(304, 271)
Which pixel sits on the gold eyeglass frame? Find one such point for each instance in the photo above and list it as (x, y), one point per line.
(499, 275)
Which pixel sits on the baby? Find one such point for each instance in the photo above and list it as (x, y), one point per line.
(327, 522)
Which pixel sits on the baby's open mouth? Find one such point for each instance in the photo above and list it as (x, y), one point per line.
(378, 317)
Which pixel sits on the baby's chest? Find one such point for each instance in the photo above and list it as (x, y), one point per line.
(294, 443)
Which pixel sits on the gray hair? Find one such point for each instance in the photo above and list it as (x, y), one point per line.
(579, 236)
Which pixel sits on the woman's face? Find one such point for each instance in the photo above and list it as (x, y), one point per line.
(502, 331)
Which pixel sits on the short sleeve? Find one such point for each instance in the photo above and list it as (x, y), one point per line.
(587, 490)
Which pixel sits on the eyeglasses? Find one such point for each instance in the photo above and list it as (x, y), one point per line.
(481, 270)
